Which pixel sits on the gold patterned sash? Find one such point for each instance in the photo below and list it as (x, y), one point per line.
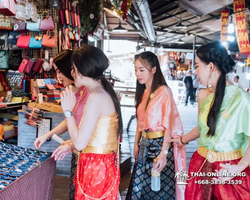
(98, 150)
(152, 135)
(213, 156)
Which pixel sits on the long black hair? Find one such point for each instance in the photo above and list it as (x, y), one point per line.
(148, 58)
(63, 63)
(217, 54)
(92, 62)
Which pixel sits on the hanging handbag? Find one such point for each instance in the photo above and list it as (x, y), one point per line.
(19, 26)
(62, 13)
(5, 23)
(4, 40)
(31, 12)
(50, 41)
(31, 26)
(31, 63)
(29, 66)
(23, 65)
(23, 41)
(46, 23)
(39, 63)
(7, 7)
(13, 36)
(36, 41)
(20, 12)
(15, 59)
(4, 57)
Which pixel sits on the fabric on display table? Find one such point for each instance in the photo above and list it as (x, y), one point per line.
(25, 173)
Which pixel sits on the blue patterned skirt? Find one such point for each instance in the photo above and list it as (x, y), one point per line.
(140, 184)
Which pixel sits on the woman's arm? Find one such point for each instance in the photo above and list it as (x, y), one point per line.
(58, 130)
(81, 136)
(136, 145)
(137, 137)
(166, 145)
(245, 160)
(192, 135)
(162, 157)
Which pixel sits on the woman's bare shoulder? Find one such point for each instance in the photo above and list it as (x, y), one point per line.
(204, 93)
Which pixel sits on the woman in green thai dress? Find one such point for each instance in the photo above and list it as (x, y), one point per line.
(223, 130)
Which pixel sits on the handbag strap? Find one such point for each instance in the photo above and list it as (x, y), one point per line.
(43, 14)
(53, 30)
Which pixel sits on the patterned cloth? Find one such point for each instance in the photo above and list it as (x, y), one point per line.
(195, 191)
(72, 175)
(98, 177)
(140, 185)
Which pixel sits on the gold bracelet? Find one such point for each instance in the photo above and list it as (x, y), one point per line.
(182, 141)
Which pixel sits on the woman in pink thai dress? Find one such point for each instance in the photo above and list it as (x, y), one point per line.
(62, 66)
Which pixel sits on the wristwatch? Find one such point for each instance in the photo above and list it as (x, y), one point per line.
(68, 113)
(165, 152)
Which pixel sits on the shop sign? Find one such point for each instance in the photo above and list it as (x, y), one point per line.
(240, 26)
(224, 24)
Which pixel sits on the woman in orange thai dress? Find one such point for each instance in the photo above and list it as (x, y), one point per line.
(97, 175)
(158, 120)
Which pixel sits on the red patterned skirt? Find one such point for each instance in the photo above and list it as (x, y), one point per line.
(97, 177)
(196, 191)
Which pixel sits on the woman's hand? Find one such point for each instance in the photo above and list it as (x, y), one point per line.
(68, 100)
(177, 141)
(61, 152)
(136, 151)
(39, 141)
(161, 162)
(230, 169)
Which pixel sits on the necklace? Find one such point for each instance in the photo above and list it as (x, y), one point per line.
(210, 154)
